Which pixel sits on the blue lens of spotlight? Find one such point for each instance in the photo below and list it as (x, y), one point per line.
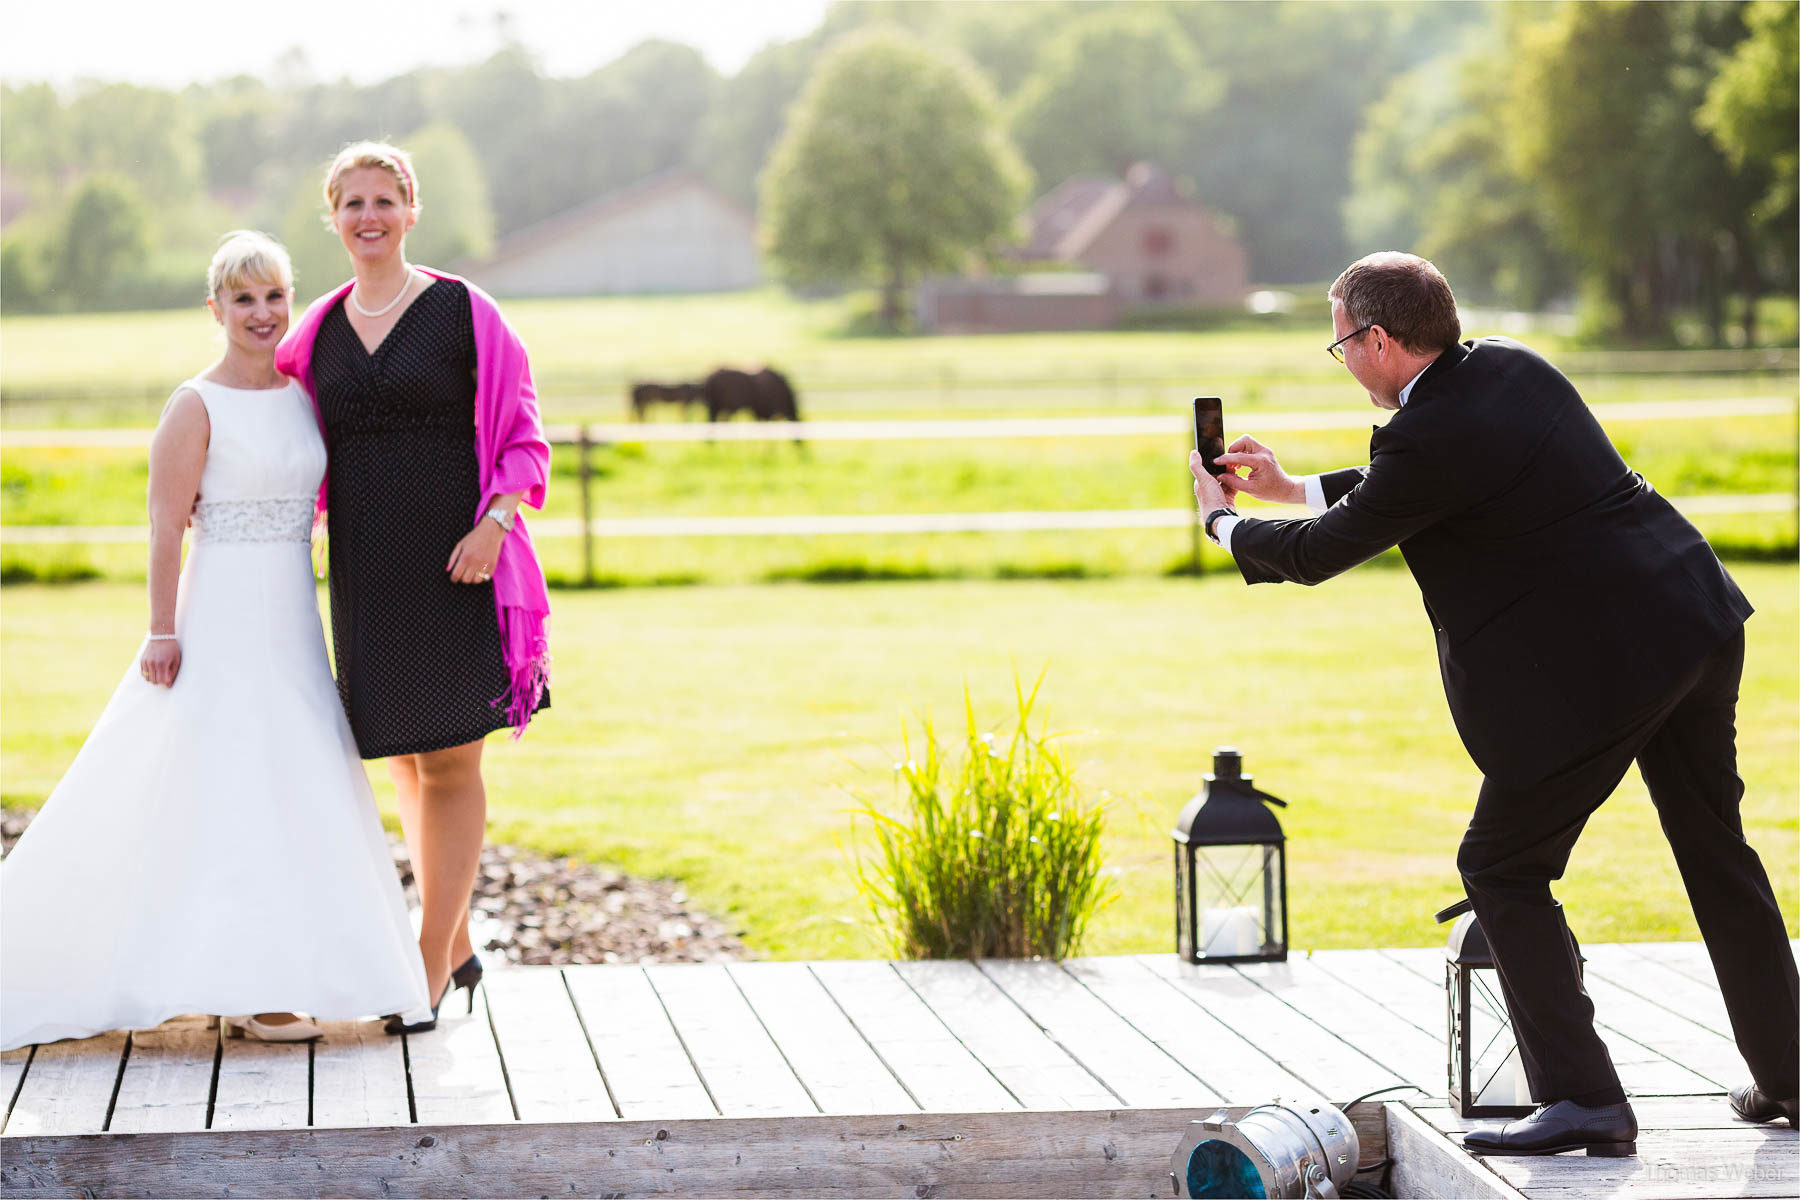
(1219, 1169)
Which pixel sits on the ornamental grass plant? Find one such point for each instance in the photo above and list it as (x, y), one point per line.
(994, 856)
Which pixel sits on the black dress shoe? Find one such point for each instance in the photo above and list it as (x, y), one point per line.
(1753, 1104)
(1605, 1131)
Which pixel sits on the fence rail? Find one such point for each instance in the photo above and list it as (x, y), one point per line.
(587, 438)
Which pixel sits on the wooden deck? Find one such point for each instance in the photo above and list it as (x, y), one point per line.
(868, 1078)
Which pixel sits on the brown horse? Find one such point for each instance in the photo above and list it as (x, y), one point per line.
(643, 395)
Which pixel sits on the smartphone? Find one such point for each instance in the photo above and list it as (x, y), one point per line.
(1209, 432)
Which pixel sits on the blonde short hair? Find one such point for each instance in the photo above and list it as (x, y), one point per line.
(392, 159)
(248, 256)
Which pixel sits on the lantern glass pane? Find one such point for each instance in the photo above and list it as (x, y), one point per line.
(1233, 892)
(1496, 1076)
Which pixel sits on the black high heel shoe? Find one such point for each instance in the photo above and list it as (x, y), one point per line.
(466, 977)
(398, 1024)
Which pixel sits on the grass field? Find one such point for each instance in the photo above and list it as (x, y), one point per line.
(714, 734)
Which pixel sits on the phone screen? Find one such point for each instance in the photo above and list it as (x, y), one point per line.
(1209, 432)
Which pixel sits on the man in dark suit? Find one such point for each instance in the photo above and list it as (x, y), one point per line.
(1582, 623)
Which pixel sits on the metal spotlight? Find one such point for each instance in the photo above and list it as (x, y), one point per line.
(1297, 1149)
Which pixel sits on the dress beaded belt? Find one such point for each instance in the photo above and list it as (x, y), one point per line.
(282, 519)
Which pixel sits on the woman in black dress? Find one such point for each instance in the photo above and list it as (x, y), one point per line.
(437, 599)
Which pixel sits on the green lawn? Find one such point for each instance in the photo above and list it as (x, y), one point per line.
(714, 733)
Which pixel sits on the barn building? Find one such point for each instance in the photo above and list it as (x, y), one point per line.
(671, 232)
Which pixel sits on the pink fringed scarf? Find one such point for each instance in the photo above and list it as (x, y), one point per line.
(514, 457)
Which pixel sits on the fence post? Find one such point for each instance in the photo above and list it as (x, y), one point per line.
(583, 444)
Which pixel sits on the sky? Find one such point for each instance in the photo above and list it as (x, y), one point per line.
(172, 43)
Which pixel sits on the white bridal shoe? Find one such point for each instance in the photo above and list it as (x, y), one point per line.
(297, 1030)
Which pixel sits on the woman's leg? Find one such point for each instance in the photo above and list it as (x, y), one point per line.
(404, 771)
(452, 823)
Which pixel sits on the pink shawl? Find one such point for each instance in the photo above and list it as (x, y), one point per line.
(514, 457)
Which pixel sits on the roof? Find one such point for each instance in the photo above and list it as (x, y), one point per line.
(1072, 215)
(622, 200)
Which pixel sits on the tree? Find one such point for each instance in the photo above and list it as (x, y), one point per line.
(893, 164)
(1752, 112)
(741, 128)
(104, 237)
(455, 219)
(1118, 85)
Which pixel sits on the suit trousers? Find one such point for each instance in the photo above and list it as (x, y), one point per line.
(1519, 841)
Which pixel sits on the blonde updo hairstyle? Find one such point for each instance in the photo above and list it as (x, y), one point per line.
(392, 159)
(247, 256)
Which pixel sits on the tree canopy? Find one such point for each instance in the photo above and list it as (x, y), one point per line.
(894, 163)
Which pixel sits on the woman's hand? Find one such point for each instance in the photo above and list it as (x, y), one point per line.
(474, 557)
(161, 662)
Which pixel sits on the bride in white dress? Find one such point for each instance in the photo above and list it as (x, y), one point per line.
(214, 847)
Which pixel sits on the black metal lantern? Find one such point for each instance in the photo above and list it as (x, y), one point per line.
(1230, 871)
(1487, 1076)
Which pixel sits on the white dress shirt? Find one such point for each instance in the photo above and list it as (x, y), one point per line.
(1315, 489)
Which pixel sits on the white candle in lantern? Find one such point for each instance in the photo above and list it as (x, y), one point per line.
(1227, 932)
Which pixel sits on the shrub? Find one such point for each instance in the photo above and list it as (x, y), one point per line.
(996, 857)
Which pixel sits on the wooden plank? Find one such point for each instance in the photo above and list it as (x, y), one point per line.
(1135, 1068)
(1642, 1070)
(1689, 958)
(743, 1067)
(550, 1068)
(1662, 984)
(1670, 1165)
(646, 1068)
(1654, 1112)
(359, 1076)
(1330, 1067)
(1031, 1066)
(1410, 1055)
(1712, 1058)
(69, 1087)
(263, 1085)
(1237, 1070)
(167, 1084)
(1426, 1163)
(1393, 986)
(840, 1069)
(13, 1065)
(454, 1071)
(1118, 1152)
(936, 1068)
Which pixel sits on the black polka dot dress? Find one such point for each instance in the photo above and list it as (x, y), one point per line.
(419, 660)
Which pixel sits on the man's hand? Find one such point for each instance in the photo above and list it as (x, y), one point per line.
(1211, 491)
(1266, 480)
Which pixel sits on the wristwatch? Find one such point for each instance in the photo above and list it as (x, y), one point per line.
(1214, 515)
(500, 517)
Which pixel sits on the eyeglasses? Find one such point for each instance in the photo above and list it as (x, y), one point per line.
(1336, 349)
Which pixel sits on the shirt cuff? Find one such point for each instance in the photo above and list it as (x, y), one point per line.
(1315, 493)
(1222, 531)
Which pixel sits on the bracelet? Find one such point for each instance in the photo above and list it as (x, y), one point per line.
(163, 637)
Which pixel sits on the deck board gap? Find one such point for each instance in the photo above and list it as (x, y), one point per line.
(500, 1052)
(1053, 1039)
(12, 1097)
(412, 1101)
(586, 1037)
(940, 1020)
(1164, 1050)
(682, 1041)
(212, 1090)
(767, 1032)
(112, 1101)
(873, 1049)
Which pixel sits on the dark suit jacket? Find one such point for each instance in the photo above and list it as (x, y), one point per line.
(1565, 593)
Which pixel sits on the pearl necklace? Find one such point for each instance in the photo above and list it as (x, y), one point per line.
(385, 309)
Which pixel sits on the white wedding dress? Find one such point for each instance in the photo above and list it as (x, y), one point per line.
(215, 848)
